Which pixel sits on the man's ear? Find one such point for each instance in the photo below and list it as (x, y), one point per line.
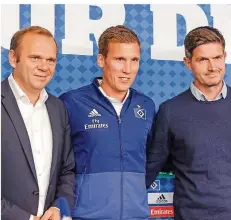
(187, 62)
(100, 60)
(12, 58)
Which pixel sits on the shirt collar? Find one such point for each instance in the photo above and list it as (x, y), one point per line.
(201, 97)
(111, 99)
(19, 94)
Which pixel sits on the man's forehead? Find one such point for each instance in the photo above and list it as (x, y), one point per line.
(117, 43)
(36, 36)
(124, 48)
(33, 41)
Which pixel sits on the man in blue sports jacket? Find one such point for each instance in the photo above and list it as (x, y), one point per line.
(110, 127)
(194, 128)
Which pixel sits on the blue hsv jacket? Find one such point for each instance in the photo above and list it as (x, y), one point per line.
(110, 153)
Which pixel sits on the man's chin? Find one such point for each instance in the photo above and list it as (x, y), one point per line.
(124, 88)
(40, 85)
(214, 84)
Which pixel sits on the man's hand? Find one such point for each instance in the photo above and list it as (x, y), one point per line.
(51, 214)
(36, 218)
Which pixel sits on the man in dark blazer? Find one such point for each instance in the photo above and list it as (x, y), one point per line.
(37, 158)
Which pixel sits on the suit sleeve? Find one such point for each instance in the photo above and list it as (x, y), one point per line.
(158, 150)
(66, 184)
(10, 211)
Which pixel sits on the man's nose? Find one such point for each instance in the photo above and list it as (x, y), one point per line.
(211, 66)
(127, 67)
(43, 66)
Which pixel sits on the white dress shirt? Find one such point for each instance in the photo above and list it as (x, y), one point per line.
(38, 127)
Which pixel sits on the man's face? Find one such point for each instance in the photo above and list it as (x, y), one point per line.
(208, 65)
(34, 63)
(120, 67)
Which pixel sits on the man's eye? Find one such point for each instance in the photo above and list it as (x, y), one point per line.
(50, 61)
(119, 59)
(34, 59)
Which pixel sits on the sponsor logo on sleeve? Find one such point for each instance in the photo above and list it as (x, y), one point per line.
(160, 198)
(161, 211)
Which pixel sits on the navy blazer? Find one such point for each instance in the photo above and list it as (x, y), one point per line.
(20, 192)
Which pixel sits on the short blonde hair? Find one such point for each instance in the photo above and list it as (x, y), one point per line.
(119, 33)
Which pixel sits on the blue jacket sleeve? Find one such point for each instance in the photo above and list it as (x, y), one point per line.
(67, 181)
(158, 151)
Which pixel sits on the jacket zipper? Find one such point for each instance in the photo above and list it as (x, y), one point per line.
(122, 168)
(121, 157)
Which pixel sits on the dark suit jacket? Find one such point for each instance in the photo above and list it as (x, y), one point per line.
(19, 182)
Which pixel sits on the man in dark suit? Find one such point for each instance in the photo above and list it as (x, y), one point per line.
(37, 158)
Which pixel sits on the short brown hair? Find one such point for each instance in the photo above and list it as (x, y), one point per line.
(18, 36)
(202, 35)
(120, 34)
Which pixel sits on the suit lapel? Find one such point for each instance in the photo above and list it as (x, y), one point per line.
(10, 104)
(54, 120)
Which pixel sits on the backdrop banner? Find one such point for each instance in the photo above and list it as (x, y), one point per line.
(161, 30)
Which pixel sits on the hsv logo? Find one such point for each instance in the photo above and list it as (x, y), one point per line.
(93, 113)
(161, 211)
(156, 185)
(140, 113)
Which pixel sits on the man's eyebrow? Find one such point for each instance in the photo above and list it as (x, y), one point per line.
(201, 57)
(136, 58)
(41, 57)
(218, 56)
(34, 55)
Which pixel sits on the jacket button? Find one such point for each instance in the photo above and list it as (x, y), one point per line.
(35, 193)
